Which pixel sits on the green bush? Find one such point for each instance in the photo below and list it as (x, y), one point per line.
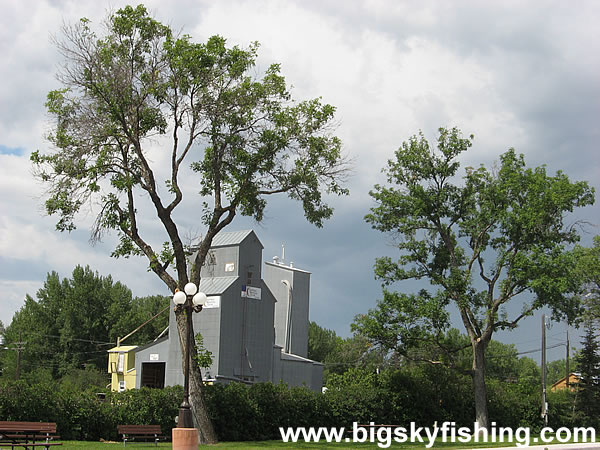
(145, 406)
(422, 395)
(245, 413)
(512, 406)
(563, 410)
(80, 415)
(233, 412)
(357, 395)
(417, 395)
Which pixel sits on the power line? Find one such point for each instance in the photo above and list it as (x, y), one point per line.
(91, 341)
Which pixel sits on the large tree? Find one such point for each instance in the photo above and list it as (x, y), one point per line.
(141, 108)
(494, 239)
(71, 323)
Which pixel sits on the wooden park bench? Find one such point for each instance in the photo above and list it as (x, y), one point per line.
(131, 432)
(25, 434)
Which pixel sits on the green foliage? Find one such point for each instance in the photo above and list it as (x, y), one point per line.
(529, 374)
(203, 356)
(588, 365)
(88, 379)
(502, 361)
(339, 354)
(243, 135)
(479, 243)
(513, 217)
(588, 266)
(321, 342)
(239, 412)
(146, 406)
(72, 322)
(355, 351)
(233, 412)
(366, 403)
(555, 370)
(562, 409)
(283, 406)
(81, 414)
(256, 412)
(512, 406)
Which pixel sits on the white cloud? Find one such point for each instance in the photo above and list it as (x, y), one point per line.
(13, 296)
(520, 74)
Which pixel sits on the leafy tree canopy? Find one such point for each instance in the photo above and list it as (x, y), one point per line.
(74, 321)
(480, 243)
(556, 370)
(341, 354)
(588, 264)
(242, 136)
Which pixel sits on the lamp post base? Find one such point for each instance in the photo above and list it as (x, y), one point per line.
(185, 439)
(184, 420)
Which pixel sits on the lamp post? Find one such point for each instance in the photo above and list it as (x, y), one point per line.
(188, 301)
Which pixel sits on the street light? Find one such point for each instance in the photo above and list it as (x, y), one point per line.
(188, 301)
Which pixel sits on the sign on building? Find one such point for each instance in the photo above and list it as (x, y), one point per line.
(251, 292)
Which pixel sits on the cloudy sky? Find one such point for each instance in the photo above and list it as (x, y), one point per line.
(514, 74)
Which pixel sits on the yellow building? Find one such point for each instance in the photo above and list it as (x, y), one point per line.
(562, 383)
(121, 366)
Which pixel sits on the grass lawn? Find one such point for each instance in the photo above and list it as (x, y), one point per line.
(271, 444)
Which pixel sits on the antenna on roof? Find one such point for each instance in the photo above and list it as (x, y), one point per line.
(283, 252)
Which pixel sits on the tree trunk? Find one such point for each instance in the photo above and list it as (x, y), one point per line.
(479, 388)
(206, 431)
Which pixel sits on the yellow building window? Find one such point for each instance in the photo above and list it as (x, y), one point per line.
(121, 363)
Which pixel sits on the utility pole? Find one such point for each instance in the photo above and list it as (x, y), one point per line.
(19, 348)
(544, 403)
(567, 360)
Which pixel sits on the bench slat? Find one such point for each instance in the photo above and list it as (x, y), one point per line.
(131, 432)
(16, 434)
(47, 427)
(137, 429)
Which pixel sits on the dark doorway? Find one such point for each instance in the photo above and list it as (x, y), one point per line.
(153, 374)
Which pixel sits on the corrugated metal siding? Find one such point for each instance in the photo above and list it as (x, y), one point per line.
(216, 285)
(230, 238)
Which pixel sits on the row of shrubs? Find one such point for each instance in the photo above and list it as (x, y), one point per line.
(86, 415)
(256, 412)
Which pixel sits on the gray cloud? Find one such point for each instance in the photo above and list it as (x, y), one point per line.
(516, 74)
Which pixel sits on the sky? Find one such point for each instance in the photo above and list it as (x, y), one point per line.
(514, 74)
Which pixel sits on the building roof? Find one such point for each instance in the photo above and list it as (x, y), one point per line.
(122, 348)
(153, 343)
(216, 285)
(292, 357)
(574, 378)
(282, 265)
(228, 238)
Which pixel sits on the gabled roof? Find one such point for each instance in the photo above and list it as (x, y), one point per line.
(298, 358)
(227, 238)
(574, 378)
(122, 349)
(216, 285)
(153, 343)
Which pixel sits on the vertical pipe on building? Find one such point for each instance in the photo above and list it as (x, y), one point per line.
(288, 321)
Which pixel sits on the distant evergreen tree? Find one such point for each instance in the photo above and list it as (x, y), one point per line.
(588, 364)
